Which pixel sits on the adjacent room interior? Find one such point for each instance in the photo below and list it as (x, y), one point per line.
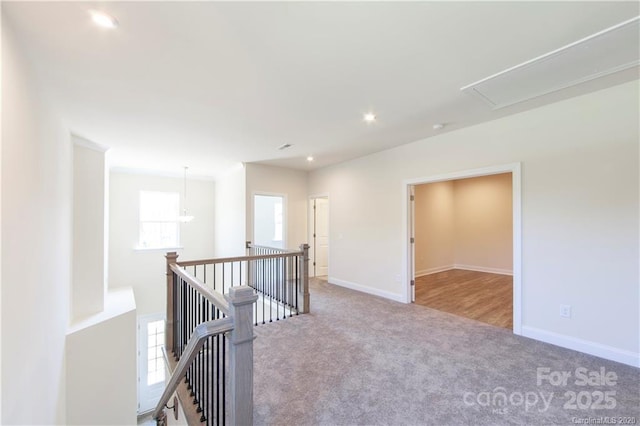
(464, 248)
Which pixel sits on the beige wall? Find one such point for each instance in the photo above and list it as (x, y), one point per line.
(288, 182)
(36, 237)
(484, 223)
(580, 196)
(144, 270)
(465, 224)
(435, 246)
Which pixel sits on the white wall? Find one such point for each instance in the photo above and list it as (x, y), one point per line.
(36, 237)
(291, 183)
(579, 213)
(144, 270)
(101, 365)
(230, 214)
(89, 215)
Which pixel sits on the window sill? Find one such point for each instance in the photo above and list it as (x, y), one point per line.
(157, 248)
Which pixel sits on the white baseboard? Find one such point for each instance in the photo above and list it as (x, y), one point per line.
(369, 290)
(588, 347)
(437, 269)
(483, 269)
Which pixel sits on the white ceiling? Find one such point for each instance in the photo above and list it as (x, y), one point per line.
(210, 84)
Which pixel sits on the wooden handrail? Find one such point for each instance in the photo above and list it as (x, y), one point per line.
(238, 306)
(200, 334)
(239, 258)
(214, 297)
(277, 249)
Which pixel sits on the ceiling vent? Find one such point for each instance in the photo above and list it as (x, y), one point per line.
(606, 52)
(284, 146)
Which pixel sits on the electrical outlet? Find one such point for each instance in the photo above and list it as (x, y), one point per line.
(565, 311)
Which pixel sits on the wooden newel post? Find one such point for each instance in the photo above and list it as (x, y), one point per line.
(172, 257)
(303, 290)
(241, 300)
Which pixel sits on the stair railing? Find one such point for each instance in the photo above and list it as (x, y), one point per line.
(281, 278)
(209, 329)
(211, 337)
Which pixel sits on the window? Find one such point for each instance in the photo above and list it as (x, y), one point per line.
(159, 225)
(151, 362)
(155, 362)
(277, 218)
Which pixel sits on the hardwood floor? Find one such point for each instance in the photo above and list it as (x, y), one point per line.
(476, 295)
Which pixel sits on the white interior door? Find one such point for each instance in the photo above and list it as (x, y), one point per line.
(312, 236)
(321, 233)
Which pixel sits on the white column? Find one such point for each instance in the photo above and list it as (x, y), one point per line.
(90, 180)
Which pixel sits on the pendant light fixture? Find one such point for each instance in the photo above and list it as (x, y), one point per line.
(185, 217)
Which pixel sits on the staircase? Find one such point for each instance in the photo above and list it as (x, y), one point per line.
(211, 312)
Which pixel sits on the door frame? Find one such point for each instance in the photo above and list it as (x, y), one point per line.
(142, 361)
(285, 215)
(310, 229)
(407, 228)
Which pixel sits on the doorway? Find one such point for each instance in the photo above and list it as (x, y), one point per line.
(319, 236)
(151, 364)
(269, 220)
(448, 271)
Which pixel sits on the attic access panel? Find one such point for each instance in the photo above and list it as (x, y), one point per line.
(606, 52)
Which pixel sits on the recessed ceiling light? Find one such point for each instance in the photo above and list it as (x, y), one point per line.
(103, 20)
(369, 117)
(438, 126)
(310, 158)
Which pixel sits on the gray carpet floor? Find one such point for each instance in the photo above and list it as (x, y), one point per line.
(364, 360)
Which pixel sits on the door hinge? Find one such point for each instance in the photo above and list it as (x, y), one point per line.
(412, 240)
(314, 263)
(413, 283)
(314, 235)
(412, 198)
